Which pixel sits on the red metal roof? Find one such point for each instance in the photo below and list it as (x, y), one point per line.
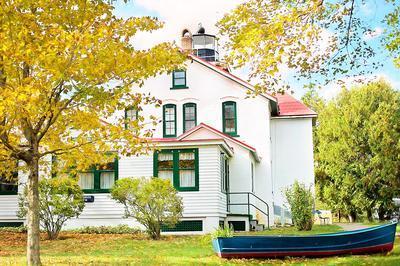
(290, 106)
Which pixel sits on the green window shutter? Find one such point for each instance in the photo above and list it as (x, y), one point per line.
(189, 116)
(185, 168)
(229, 118)
(179, 79)
(155, 163)
(169, 121)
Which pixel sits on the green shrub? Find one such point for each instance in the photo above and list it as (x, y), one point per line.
(119, 229)
(152, 202)
(60, 199)
(227, 231)
(301, 202)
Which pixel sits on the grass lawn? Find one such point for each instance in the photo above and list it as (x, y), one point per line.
(84, 249)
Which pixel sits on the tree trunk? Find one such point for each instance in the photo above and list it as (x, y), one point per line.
(33, 253)
(352, 217)
(369, 215)
(381, 213)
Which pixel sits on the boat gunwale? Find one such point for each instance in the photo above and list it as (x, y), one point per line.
(363, 230)
(309, 248)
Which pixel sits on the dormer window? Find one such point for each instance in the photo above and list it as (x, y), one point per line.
(179, 79)
(229, 118)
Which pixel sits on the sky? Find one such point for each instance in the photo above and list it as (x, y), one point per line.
(180, 14)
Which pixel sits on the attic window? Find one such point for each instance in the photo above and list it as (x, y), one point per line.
(179, 79)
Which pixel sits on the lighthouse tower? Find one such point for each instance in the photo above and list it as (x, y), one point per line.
(202, 45)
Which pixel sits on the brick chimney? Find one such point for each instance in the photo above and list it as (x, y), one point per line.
(186, 41)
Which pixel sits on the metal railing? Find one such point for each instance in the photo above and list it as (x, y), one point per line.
(249, 204)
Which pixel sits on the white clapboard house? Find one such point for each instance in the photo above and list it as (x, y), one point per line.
(228, 155)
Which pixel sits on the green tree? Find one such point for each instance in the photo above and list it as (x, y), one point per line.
(60, 199)
(313, 100)
(301, 203)
(66, 69)
(316, 103)
(152, 202)
(315, 39)
(359, 148)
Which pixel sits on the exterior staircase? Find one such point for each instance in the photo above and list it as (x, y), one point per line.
(246, 210)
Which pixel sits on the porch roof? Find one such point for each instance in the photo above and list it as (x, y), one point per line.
(220, 137)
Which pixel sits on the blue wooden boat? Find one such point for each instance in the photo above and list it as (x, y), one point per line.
(369, 240)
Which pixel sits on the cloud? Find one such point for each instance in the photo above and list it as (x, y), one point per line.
(375, 33)
(180, 14)
(332, 89)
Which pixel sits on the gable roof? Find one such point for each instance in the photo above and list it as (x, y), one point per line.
(230, 76)
(194, 142)
(283, 105)
(290, 107)
(221, 137)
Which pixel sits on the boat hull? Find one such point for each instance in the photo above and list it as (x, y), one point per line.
(371, 240)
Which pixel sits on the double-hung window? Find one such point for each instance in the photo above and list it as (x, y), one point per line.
(169, 120)
(100, 178)
(9, 185)
(179, 79)
(181, 167)
(189, 116)
(131, 114)
(229, 118)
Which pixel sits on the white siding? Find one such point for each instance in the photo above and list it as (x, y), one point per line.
(102, 207)
(136, 166)
(292, 151)
(209, 90)
(205, 203)
(8, 207)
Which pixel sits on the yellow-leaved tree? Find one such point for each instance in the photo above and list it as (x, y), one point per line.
(66, 68)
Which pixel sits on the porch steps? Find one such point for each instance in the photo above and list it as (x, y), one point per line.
(244, 222)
